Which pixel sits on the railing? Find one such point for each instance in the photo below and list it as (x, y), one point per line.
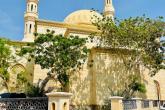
(24, 104)
(145, 103)
(162, 102)
(155, 103)
(129, 104)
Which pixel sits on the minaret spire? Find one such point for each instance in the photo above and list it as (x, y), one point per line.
(30, 17)
(109, 10)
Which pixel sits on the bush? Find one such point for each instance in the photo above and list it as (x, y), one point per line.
(34, 91)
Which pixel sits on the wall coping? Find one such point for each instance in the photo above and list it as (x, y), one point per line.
(59, 94)
(116, 97)
(136, 98)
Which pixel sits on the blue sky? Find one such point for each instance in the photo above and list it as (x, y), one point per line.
(12, 11)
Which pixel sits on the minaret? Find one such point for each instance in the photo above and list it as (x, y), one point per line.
(109, 10)
(30, 17)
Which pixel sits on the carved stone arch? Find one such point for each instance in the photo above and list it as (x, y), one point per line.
(18, 65)
(14, 71)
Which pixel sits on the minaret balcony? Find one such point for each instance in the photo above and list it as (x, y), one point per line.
(31, 14)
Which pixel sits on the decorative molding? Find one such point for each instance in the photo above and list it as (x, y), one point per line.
(17, 43)
(35, 1)
(81, 28)
(30, 18)
(109, 13)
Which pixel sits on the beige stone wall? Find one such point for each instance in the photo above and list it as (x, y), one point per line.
(80, 87)
(151, 86)
(39, 73)
(160, 77)
(111, 75)
(108, 75)
(43, 29)
(96, 83)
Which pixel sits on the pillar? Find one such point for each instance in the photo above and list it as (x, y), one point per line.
(59, 100)
(116, 103)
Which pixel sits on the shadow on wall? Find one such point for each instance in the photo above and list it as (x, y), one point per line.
(110, 78)
(80, 87)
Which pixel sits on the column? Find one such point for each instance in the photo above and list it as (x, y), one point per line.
(116, 103)
(59, 100)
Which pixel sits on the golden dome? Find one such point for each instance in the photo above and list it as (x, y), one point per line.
(82, 17)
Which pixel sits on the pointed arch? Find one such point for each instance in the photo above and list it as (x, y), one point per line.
(26, 27)
(158, 89)
(30, 28)
(35, 8)
(18, 66)
(32, 7)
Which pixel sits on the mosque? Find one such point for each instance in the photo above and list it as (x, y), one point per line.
(91, 85)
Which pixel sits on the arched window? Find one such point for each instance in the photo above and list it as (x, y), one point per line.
(108, 1)
(158, 89)
(35, 8)
(32, 7)
(65, 106)
(25, 28)
(30, 28)
(53, 106)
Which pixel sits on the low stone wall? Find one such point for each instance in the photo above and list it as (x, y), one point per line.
(140, 105)
(24, 104)
(89, 107)
(117, 103)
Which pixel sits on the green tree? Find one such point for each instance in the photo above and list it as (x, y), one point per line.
(133, 87)
(140, 36)
(61, 55)
(6, 58)
(5, 55)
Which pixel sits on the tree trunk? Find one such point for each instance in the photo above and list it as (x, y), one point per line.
(43, 83)
(4, 83)
(65, 88)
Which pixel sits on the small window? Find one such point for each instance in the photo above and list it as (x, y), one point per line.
(53, 106)
(30, 28)
(65, 106)
(26, 28)
(107, 1)
(35, 8)
(32, 7)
